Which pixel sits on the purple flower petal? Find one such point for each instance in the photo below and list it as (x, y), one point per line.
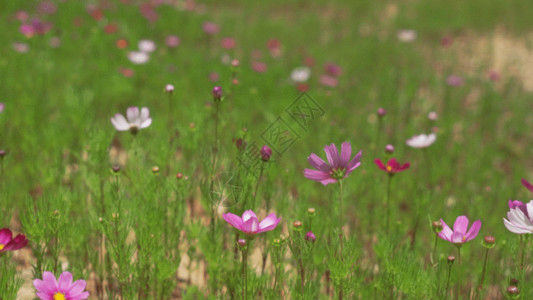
(461, 224)
(446, 233)
(65, 280)
(346, 152)
(318, 163)
(233, 220)
(354, 163)
(332, 154)
(474, 230)
(316, 175)
(5, 236)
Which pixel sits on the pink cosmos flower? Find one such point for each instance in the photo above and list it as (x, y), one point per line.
(328, 80)
(249, 224)
(135, 120)
(210, 28)
(227, 43)
(454, 80)
(51, 289)
(8, 243)
(338, 166)
(519, 214)
(459, 235)
(259, 67)
(2, 106)
(172, 41)
(528, 185)
(392, 167)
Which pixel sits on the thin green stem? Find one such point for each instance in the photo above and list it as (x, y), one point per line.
(257, 183)
(215, 150)
(484, 269)
(388, 205)
(244, 272)
(341, 217)
(448, 280)
(434, 252)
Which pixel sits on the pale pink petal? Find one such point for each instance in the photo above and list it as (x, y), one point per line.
(50, 280)
(64, 281)
(346, 152)
(233, 220)
(120, 122)
(270, 220)
(516, 229)
(5, 236)
(529, 207)
(518, 218)
(247, 215)
(461, 224)
(43, 286)
(474, 230)
(457, 238)
(77, 288)
(133, 115)
(318, 163)
(328, 181)
(146, 123)
(145, 114)
(316, 175)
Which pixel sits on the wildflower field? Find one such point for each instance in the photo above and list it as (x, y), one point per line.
(187, 149)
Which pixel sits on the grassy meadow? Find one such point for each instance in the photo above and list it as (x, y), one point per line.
(141, 212)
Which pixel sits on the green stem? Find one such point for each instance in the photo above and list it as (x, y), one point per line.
(257, 184)
(244, 272)
(217, 104)
(434, 252)
(448, 280)
(388, 205)
(484, 269)
(341, 218)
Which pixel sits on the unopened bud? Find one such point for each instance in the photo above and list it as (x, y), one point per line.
(513, 281)
(276, 242)
(489, 242)
(169, 88)
(217, 93)
(179, 175)
(381, 112)
(437, 226)
(56, 214)
(266, 152)
(389, 149)
(310, 237)
(241, 243)
(115, 215)
(311, 212)
(297, 225)
(513, 291)
(115, 169)
(2, 153)
(155, 170)
(451, 259)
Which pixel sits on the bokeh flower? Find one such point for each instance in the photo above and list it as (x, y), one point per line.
(333, 69)
(210, 28)
(2, 107)
(406, 35)
(259, 67)
(454, 80)
(518, 218)
(8, 243)
(62, 289)
(147, 46)
(172, 41)
(392, 167)
(138, 57)
(460, 233)
(249, 224)
(135, 120)
(338, 166)
(227, 43)
(328, 80)
(300, 74)
(422, 140)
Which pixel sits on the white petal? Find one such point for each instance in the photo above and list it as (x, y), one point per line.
(146, 123)
(120, 122)
(145, 114)
(516, 229)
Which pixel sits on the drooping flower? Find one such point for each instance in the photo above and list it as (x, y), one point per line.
(528, 185)
(519, 220)
(8, 243)
(62, 289)
(249, 224)
(392, 167)
(460, 233)
(135, 120)
(338, 166)
(422, 140)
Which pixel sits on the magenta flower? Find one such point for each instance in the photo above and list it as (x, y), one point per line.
(392, 167)
(519, 220)
(528, 185)
(210, 28)
(266, 152)
(62, 289)
(2, 106)
(460, 235)
(338, 167)
(249, 224)
(8, 243)
(135, 121)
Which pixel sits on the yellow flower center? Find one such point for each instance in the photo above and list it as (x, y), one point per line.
(59, 296)
(2, 246)
(389, 168)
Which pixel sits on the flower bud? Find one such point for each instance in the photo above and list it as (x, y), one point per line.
(381, 112)
(169, 88)
(489, 242)
(297, 225)
(389, 149)
(276, 242)
(451, 259)
(115, 169)
(56, 214)
(179, 175)
(155, 170)
(115, 215)
(432, 116)
(310, 237)
(437, 226)
(513, 281)
(513, 291)
(2, 154)
(266, 152)
(311, 212)
(217, 93)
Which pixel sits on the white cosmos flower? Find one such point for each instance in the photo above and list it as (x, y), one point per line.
(406, 35)
(138, 57)
(135, 120)
(421, 141)
(300, 74)
(519, 219)
(147, 46)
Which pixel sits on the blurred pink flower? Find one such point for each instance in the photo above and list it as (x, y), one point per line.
(47, 7)
(519, 220)
(274, 46)
(249, 224)
(213, 76)
(527, 185)
(333, 69)
(227, 43)
(392, 167)
(138, 57)
(21, 47)
(22, 15)
(148, 12)
(494, 75)
(338, 166)
(328, 80)
(259, 67)
(147, 46)
(172, 41)
(63, 289)
(210, 28)
(135, 120)
(459, 235)
(8, 243)
(455, 80)
(2, 106)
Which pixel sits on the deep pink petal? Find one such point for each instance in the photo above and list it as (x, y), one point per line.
(15, 244)
(474, 230)
(461, 225)
(233, 220)
(50, 280)
(355, 162)
(528, 185)
(380, 164)
(64, 281)
(45, 296)
(5, 236)
(514, 203)
(332, 154)
(43, 286)
(250, 226)
(346, 152)
(318, 163)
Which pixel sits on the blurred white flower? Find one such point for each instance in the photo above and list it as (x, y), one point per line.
(300, 74)
(421, 141)
(433, 116)
(147, 46)
(406, 35)
(135, 120)
(138, 57)
(21, 47)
